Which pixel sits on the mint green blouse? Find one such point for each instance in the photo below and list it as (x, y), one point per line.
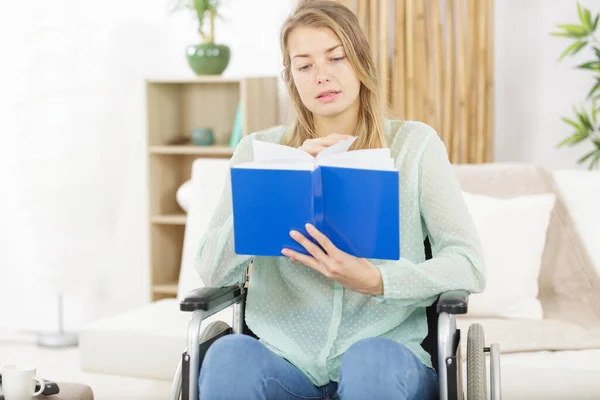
(311, 320)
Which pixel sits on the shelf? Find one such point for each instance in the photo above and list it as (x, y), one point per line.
(169, 219)
(174, 107)
(207, 151)
(195, 79)
(165, 288)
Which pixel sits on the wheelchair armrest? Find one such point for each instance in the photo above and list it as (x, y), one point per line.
(211, 298)
(453, 302)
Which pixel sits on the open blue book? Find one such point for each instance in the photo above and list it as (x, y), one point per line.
(350, 196)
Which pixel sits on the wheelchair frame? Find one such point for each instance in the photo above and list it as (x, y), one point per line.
(444, 349)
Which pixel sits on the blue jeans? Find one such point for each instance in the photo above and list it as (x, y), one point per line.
(240, 367)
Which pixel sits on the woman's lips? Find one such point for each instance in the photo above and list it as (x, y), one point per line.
(328, 97)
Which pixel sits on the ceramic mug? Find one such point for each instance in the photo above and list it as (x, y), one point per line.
(18, 382)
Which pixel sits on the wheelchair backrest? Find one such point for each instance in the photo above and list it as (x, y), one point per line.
(430, 341)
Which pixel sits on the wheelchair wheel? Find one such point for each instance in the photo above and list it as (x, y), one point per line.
(476, 370)
(213, 329)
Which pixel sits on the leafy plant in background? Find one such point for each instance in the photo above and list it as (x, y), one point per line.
(207, 57)
(585, 122)
(206, 11)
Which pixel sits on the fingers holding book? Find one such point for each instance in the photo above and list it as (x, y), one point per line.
(316, 145)
(354, 273)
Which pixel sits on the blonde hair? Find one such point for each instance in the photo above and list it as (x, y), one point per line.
(343, 22)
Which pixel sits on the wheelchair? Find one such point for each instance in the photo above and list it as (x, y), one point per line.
(442, 342)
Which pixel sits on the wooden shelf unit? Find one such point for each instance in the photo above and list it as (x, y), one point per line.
(206, 151)
(174, 108)
(170, 219)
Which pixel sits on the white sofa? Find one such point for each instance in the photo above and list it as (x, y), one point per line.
(148, 342)
(152, 338)
(554, 356)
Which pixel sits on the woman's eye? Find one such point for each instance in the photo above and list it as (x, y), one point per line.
(303, 68)
(337, 59)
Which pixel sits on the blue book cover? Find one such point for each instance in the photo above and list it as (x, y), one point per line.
(350, 196)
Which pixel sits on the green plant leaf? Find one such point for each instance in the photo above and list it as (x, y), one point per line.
(594, 89)
(562, 34)
(574, 30)
(587, 156)
(594, 108)
(580, 12)
(574, 124)
(592, 65)
(588, 20)
(595, 161)
(573, 139)
(579, 47)
(582, 17)
(583, 118)
(572, 49)
(595, 24)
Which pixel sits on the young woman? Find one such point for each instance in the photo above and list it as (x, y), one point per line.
(332, 325)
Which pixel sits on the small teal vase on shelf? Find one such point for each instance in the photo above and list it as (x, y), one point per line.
(208, 58)
(203, 137)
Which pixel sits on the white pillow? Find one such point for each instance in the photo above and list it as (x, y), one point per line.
(513, 236)
(208, 180)
(184, 195)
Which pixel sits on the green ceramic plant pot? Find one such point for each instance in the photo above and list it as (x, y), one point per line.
(208, 58)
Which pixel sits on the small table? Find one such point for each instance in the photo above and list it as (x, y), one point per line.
(71, 391)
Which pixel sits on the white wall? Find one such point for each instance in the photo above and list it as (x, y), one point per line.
(72, 161)
(533, 90)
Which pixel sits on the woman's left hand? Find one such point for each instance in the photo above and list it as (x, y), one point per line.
(354, 273)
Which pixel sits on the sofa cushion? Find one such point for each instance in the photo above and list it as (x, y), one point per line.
(581, 192)
(146, 342)
(513, 235)
(524, 335)
(569, 287)
(555, 376)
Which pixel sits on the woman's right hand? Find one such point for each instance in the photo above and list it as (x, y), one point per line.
(315, 146)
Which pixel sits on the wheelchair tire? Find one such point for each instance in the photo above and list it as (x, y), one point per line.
(213, 329)
(476, 370)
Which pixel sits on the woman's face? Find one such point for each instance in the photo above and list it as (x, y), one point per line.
(321, 72)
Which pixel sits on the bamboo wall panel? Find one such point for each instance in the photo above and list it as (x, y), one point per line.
(435, 59)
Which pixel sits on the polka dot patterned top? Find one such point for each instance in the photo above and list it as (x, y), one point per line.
(311, 320)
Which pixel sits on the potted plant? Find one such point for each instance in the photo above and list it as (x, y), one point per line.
(206, 57)
(585, 123)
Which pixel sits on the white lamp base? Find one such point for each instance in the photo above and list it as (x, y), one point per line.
(58, 340)
(61, 338)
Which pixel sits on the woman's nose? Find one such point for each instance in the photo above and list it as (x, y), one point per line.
(322, 78)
